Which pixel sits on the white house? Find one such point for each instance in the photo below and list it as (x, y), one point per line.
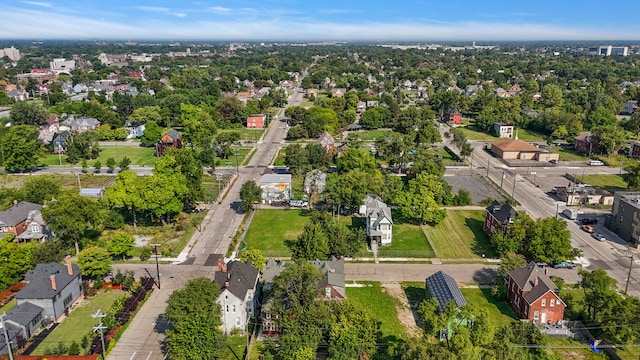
(379, 223)
(503, 130)
(238, 283)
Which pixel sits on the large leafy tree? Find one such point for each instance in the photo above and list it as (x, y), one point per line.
(197, 124)
(151, 135)
(295, 288)
(348, 190)
(20, 147)
(599, 290)
(250, 193)
(164, 193)
(71, 216)
(17, 259)
(121, 245)
(295, 158)
(395, 149)
(28, 113)
(191, 168)
(352, 159)
(311, 244)
(632, 176)
(94, 262)
(38, 189)
(318, 119)
(145, 115)
(196, 325)
(126, 193)
(419, 201)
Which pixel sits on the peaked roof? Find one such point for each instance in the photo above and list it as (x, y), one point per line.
(514, 145)
(17, 213)
(376, 207)
(525, 278)
(24, 313)
(500, 212)
(332, 274)
(241, 277)
(326, 139)
(444, 289)
(39, 282)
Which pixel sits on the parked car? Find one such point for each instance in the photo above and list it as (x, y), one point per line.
(565, 265)
(588, 229)
(598, 237)
(588, 221)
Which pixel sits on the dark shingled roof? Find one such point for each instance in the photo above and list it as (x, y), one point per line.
(24, 313)
(444, 289)
(39, 282)
(241, 278)
(17, 213)
(502, 213)
(525, 278)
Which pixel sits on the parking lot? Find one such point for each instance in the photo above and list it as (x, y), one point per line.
(478, 186)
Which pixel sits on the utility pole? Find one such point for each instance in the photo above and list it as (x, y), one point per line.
(237, 171)
(6, 336)
(100, 328)
(515, 177)
(155, 250)
(502, 180)
(488, 166)
(626, 287)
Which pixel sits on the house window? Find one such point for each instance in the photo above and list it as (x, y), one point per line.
(35, 228)
(234, 308)
(544, 302)
(526, 310)
(67, 300)
(237, 321)
(227, 308)
(36, 320)
(536, 315)
(552, 302)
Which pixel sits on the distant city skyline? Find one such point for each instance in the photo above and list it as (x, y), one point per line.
(292, 20)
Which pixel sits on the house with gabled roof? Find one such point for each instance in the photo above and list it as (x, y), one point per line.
(14, 220)
(27, 317)
(497, 217)
(379, 222)
(444, 288)
(452, 117)
(534, 296)
(238, 299)
(54, 287)
(327, 142)
(170, 139)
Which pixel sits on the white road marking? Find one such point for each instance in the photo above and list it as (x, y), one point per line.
(149, 355)
(134, 355)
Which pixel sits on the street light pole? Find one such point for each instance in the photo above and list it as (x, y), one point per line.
(626, 287)
(155, 250)
(502, 180)
(6, 336)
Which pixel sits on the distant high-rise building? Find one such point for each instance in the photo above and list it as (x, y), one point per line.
(11, 52)
(609, 50)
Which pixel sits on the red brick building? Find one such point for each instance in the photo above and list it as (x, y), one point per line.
(168, 140)
(498, 216)
(256, 121)
(453, 117)
(534, 296)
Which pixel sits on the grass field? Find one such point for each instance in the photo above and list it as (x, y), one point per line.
(10, 305)
(530, 135)
(270, 229)
(374, 134)
(609, 182)
(383, 309)
(236, 346)
(576, 350)
(408, 241)
(500, 312)
(79, 322)
(245, 134)
(474, 133)
(568, 154)
(460, 235)
(446, 157)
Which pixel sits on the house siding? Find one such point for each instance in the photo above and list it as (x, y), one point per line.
(55, 309)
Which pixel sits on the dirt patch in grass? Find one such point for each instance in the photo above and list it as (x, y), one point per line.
(406, 313)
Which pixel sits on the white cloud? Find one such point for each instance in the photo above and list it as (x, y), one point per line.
(220, 10)
(38, 3)
(57, 25)
(152, 8)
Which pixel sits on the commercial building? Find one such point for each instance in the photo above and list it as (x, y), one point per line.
(625, 216)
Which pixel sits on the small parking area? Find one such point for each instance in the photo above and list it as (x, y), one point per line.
(479, 187)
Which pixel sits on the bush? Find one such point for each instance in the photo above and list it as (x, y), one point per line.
(145, 254)
(462, 198)
(114, 220)
(74, 348)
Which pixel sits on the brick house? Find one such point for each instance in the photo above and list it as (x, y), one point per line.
(585, 143)
(634, 150)
(168, 140)
(453, 117)
(17, 219)
(498, 216)
(327, 142)
(256, 121)
(534, 296)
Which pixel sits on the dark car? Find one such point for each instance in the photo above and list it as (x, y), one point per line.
(588, 221)
(565, 265)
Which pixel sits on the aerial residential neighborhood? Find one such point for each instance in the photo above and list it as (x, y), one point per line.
(316, 186)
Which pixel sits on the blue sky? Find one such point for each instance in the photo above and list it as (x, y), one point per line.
(346, 20)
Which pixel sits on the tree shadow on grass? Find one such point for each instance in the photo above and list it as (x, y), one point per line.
(482, 246)
(415, 295)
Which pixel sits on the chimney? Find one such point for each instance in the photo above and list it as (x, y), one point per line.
(226, 284)
(220, 264)
(546, 271)
(69, 267)
(535, 282)
(53, 282)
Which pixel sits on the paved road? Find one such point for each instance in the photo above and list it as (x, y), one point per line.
(609, 255)
(144, 337)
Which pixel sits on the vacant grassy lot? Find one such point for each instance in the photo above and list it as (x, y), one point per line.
(408, 241)
(138, 156)
(383, 309)
(374, 134)
(568, 154)
(530, 135)
(609, 182)
(577, 350)
(446, 157)
(79, 322)
(236, 346)
(271, 228)
(460, 235)
(474, 133)
(245, 134)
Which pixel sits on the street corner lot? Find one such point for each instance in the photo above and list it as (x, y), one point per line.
(478, 187)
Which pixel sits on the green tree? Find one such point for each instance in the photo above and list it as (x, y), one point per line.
(551, 96)
(122, 245)
(151, 134)
(419, 201)
(632, 176)
(255, 256)
(197, 124)
(28, 113)
(163, 194)
(295, 158)
(145, 114)
(124, 163)
(71, 216)
(111, 164)
(295, 288)
(250, 193)
(21, 147)
(17, 260)
(311, 244)
(191, 168)
(125, 193)
(97, 165)
(349, 189)
(94, 262)
(38, 189)
(352, 159)
(196, 320)
(353, 335)
(599, 289)
(395, 148)
(318, 119)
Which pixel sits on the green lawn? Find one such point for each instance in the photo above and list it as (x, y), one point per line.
(474, 133)
(236, 346)
(138, 156)
(79, 322)
(279, 161)
(271, 228)
(245, 134)
(408, 241)
(530, 135)
(609, 182)
(500, 312)
(373, 134)
(383, 309)
(446, 157)
(10, 305)
(460, 235)
(579, 350)
(568, 154)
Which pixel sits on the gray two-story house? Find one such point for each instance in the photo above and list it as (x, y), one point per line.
(54, 287)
